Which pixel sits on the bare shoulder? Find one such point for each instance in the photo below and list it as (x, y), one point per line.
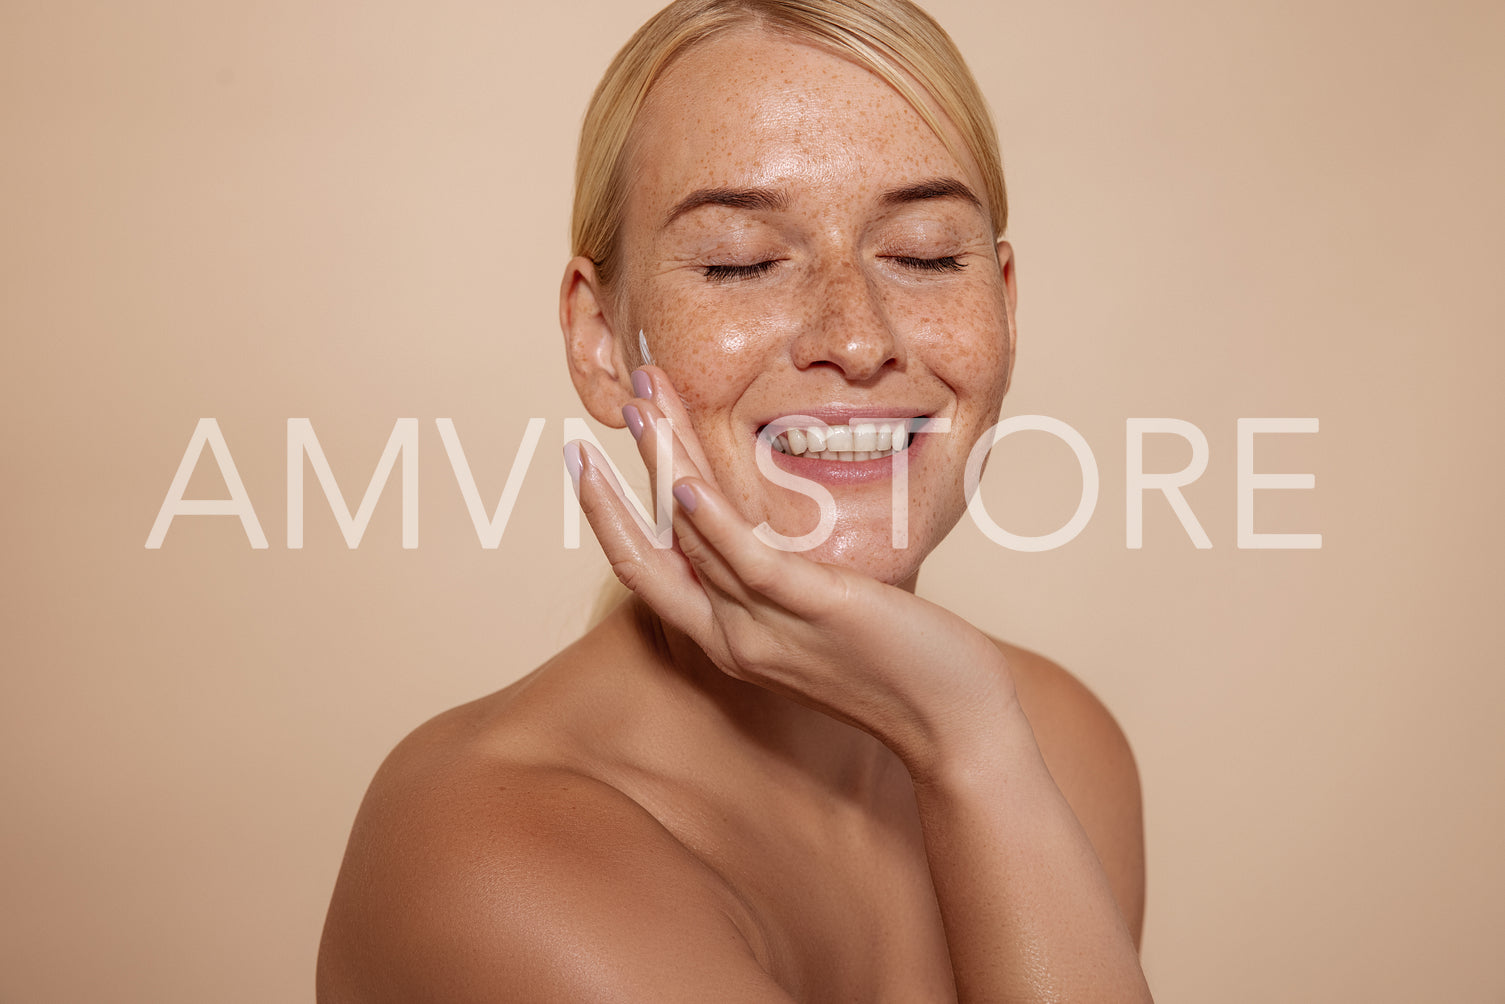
(472, 876)
(1091, 760)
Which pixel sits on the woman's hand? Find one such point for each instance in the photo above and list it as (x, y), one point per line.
(1028, 910)
(923, 681)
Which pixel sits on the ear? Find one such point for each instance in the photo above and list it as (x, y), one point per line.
(1011, 291)
(598, 367)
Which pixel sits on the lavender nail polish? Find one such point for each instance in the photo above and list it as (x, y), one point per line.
(641, 385)
(634, 419)
(573, 460)
(686, 497)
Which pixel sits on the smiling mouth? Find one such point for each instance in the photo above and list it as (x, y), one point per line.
(848, 443)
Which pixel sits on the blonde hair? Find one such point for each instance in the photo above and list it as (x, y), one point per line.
(893, 39)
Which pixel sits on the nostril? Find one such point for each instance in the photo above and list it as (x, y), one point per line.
(856, 359)
(848, 329)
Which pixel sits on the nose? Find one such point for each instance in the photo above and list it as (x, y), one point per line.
(848, 328)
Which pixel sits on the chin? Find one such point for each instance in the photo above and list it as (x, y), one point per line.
(862, 538)
(873, 554)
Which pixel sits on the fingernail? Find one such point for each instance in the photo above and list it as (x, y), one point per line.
(573, 460)
(641, 385)
(634, 420)
(685, 495)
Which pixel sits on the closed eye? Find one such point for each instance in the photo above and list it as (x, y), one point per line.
(950, 263)
(726, 273)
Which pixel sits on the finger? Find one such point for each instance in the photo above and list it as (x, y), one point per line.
(618, 527)
(661, 576)
(653, 384)
(666, 456)
(653, 430)
(736, 562)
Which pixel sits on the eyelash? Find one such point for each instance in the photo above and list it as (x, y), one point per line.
(946, 264)
(727, 273)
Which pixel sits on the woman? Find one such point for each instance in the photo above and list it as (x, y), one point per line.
(773, 773)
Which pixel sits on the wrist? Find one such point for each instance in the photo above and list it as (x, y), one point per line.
(994, 745)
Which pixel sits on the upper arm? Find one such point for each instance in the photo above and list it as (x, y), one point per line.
(1090, 759)
(542, 886)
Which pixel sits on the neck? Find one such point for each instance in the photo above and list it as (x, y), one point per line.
(781, 736)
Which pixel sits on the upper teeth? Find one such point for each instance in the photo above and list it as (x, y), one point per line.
(862, 441)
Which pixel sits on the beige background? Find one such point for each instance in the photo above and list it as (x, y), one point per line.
(355, 212)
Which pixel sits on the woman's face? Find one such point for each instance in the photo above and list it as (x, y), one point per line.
(799, 242)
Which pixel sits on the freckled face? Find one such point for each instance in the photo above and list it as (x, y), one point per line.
(799, 242)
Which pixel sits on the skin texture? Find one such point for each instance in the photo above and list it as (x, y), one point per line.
(842, 319)
(769, 776)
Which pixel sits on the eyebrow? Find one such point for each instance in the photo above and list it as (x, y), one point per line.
(769, 200)
(931, 188)
(764, 199)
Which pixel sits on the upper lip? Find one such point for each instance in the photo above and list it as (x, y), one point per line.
(836, 414)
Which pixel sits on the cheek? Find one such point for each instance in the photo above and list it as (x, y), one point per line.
(965, 342)
(711, 348)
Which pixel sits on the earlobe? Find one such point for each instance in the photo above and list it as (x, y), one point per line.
(598, 367)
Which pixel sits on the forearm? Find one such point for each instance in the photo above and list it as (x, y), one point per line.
(1028, 910)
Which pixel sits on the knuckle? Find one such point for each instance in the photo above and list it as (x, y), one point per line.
(734, 669)
(839, 594)
(628, 572)
(693, 548)
(753, 648)
(761, 575)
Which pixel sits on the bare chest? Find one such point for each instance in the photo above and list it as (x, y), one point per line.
(837, 917)
(871, 937)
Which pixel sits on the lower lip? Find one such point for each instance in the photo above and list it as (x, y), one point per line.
(845, 472)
